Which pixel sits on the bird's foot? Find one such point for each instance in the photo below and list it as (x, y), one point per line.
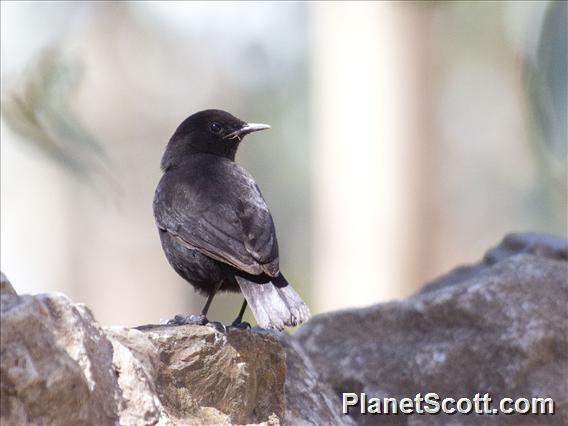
(241, 325)
(217, 326)
(197, 320)
(188, 320)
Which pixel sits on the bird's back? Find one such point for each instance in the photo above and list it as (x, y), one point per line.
(215, 205)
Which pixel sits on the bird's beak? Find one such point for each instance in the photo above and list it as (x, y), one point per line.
(246, 129)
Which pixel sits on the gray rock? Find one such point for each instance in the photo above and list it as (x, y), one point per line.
(309, 400)
(55, 365)
(501, 331)
(542, 245)
(135, 363)
(497, 327)
(5, 286)
(239, 373)
(60, 367)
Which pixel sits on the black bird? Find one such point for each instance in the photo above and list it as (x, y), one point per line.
(215, 227)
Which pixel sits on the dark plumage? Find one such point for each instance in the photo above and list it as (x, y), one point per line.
(215, 227)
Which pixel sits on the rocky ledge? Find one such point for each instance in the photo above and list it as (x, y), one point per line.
(497, 327)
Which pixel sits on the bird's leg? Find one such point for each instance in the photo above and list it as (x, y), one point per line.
(238, 322)
(215, 324)
(197, 319)
(239, 318)
(208, 303)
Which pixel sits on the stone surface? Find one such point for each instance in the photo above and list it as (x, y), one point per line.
(55, 363)
(60, 367)
(496, 327)
(5, 286)
(541, 245)
(309, 400)
(239, 373)
(501, 331)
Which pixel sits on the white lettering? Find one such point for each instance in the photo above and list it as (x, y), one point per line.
(418, 401)
(539, 407)
(406, 406)
(349, 400)
(464, 405)
(522, 410)
(374, 406)
(390, 406)
(445, 403)
(486, 403)
(504, 403)
(432, 403)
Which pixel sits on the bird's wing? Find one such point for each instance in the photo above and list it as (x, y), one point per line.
(221, 214)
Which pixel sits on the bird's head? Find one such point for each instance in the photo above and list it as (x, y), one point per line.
(211, 131)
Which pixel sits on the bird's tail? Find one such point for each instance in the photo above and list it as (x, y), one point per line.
(274, 307)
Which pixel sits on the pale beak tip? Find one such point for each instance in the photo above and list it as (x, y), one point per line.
(257, 126)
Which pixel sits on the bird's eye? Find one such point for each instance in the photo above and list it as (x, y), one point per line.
(215, 127)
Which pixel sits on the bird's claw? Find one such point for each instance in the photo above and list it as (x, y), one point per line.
(241, 325)
(188, 320)
(197, 320)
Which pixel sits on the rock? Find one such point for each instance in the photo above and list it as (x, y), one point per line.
(309, 400)
(59, 366)
(239, 373)
(135, 364)
(497, 327)
(55, 363)
(500, 330)
(542, 245)
(5, 286)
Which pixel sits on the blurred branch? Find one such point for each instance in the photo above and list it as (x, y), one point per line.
(38, 108)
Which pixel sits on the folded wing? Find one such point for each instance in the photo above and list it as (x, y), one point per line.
(232, 226)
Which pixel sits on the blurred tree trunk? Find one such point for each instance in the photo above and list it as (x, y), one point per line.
(374, 151)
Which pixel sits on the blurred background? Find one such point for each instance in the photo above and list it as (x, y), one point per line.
(406, 139)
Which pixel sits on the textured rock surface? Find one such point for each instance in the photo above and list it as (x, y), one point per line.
(309, 400)
(541, 245)
(501, 330)
(240, 373)
(59, 367)
(498, 326)
(50, 375)
(5, 286)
